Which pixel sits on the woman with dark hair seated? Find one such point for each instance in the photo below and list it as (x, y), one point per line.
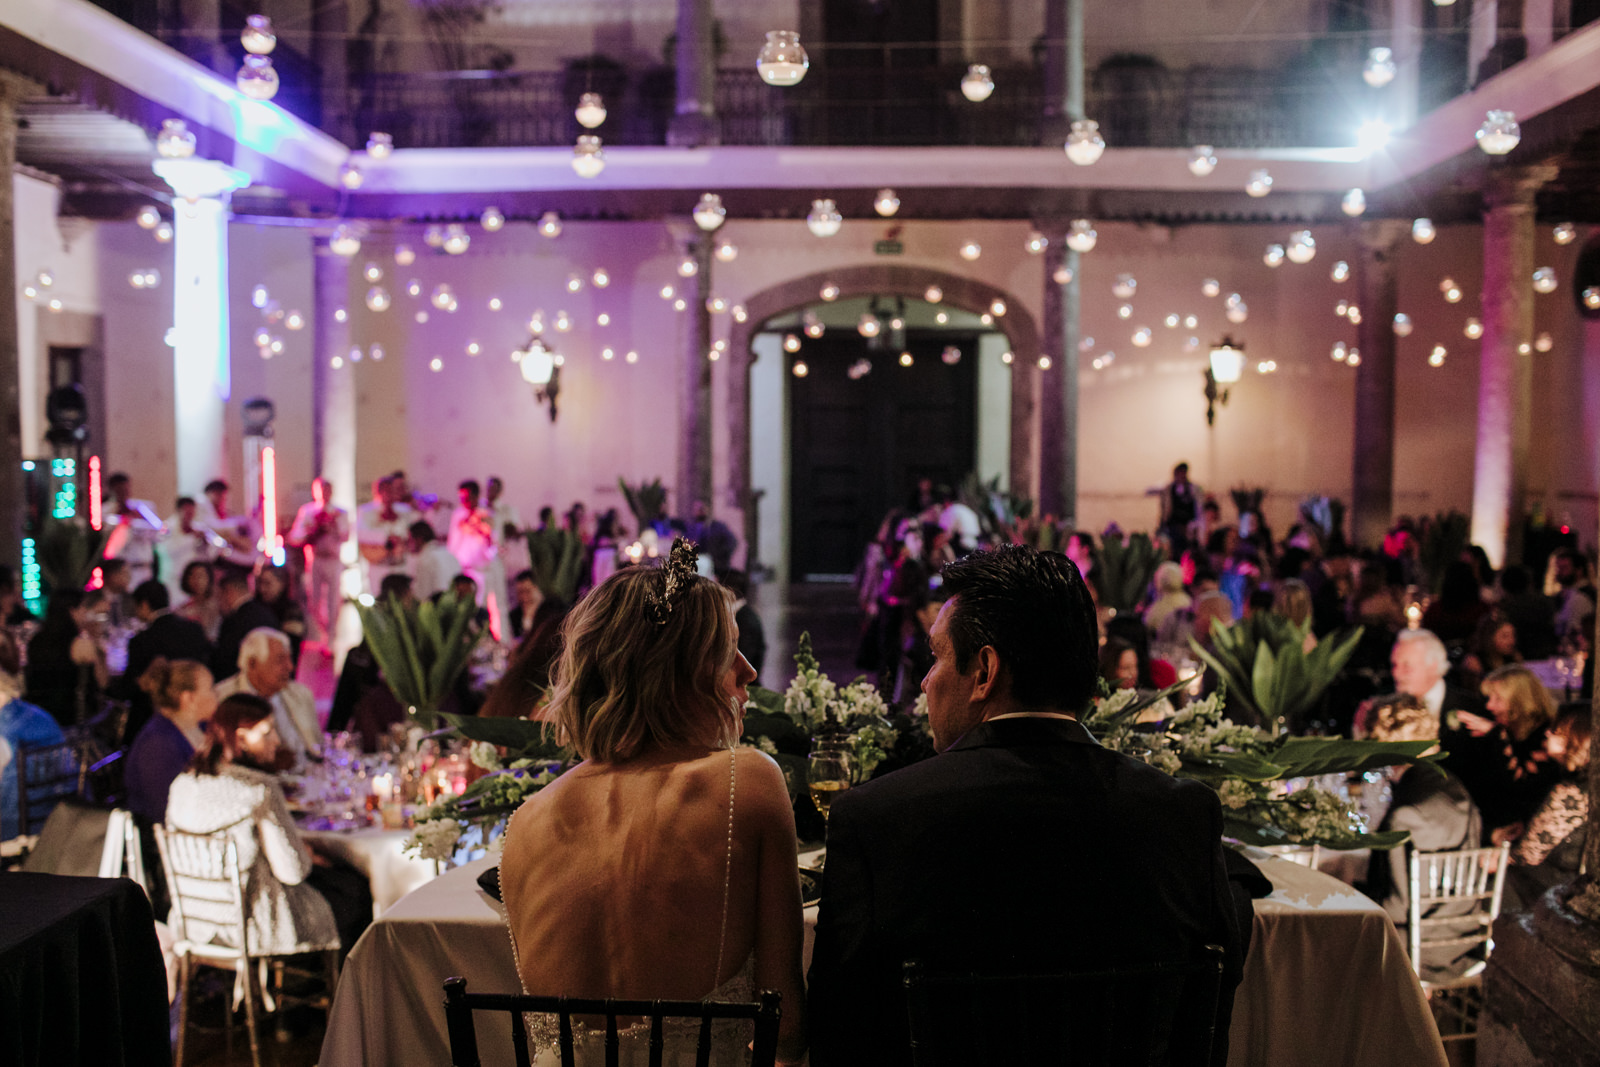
(295, 897)
(274, 589)
(663, 865)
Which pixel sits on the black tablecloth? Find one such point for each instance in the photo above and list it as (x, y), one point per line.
(81, 975)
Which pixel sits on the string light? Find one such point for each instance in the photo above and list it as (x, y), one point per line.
(591, 111)
(782, 61)
(1202, 160)
(977, 84)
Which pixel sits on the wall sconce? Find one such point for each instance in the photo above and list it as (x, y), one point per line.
(541, 370)
(1225, 368)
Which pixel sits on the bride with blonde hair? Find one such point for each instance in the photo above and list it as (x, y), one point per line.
(662, 866)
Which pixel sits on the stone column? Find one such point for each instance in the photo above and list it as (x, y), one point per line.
(12, 91)
(694, 122)
(202, 376)
(1406, 39)
(1372, 476)
(333, 392)
(694, 402)
(1505, 366)
(1058, 388)
(330, 30)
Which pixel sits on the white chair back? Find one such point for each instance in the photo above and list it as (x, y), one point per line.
(1473, 881)
(204, 882)
(121, 853)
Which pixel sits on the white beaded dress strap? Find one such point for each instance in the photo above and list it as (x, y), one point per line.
(727, 870)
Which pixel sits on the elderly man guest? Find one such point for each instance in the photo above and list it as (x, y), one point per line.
(1024, 846)
(267, 670)
(1419, 664)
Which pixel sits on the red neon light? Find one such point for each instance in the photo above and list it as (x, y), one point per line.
(269, 500)
(96, 580)
(494, 616)
(95, 517)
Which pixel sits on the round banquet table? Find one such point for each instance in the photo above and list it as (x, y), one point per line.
(1327, 982)
(376, 853)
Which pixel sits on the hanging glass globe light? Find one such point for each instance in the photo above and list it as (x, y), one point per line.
(1544, 280)
(1564, 233)
(1436, 357)
(456, 239)
(1238, 313)
(1354, 359)
(345, 241)
(379, 145)
(350, 176)
(1402, 324)
(148, 218)
(1342, 308)
(997, 307)
(1340, 272)
(588, 158)
(824, 219)
(1452, 295)
(591, 111)
(372, 272)
(257, 36)
(1037, 242)
(1211, 287)
(829, 292)
(1081, 236)
(885, 203)
(688, 267)
(1354, 203)
(1124, 311)
(442, 293)
(782, 61)
(791, 343)
(163, 231)
(433, 237)
(1423, 231)
(1124, 286)
(1273, 257)
(492, 219)
(1302, 247)
(1499, 133)
(1260, 183)
(1354, 315)
(1340, 351)
(176, 140)
(1591, 297)
(1379, 68)
(977, 84)
(933, 294)
(709, 212)
(1061, 275)
(970, 250)
(1473, 329)
(1544, 342)
(404, 255)
(1202, 160)
(1142, 337)
(257, 79)
(378, 299)
(868, 325)
(550, 224)
(950, 356)
(1084, 145)
(727, 252)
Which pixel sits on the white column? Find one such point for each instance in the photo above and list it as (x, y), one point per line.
(201, 376)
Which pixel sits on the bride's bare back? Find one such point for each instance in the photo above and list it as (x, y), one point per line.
(614, 875)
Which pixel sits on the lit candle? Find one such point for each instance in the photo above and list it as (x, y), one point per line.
(383, 786)
(1413, 616)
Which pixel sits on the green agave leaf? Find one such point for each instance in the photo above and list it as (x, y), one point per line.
(769, 701)
(1245, 765)
(1104, 722)
(526, 738)
(1306, 757)
(1228, 668)
(1266, 836)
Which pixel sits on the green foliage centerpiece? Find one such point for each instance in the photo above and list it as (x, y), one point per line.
(1273, 668)
(421, 650)
(1123, 569)
(556, 558)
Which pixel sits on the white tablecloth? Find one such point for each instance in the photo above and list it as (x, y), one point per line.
(377, 854)
(1327, 983)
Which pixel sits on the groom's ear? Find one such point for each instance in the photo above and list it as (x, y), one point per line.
(986, 679)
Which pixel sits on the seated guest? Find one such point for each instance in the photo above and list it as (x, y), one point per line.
(265, 670)
(273, 590)
(21, 725)
(1510, 772)
(433, 565)
(664, 864)
(1170, 596)
(1530, 611)
(528, 598)
(1493, 645)
(752, 636)
(199, 583)
(1053, 854)
(1435, 808)
(295, 898)
(1119, 664)
(1566, 807)
(166, 635)
(66, 669)
(181, 691)
(241, 614)
(361, 701)
(1154, 673)
(1418, 664)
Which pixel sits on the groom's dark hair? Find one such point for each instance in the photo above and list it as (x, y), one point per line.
(1035, 610)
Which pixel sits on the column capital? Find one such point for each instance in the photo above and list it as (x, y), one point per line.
(1516, 186)
(1381, 235)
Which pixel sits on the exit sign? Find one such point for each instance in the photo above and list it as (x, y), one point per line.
(888, 248)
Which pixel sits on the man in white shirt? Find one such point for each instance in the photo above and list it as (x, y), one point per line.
(960, 522)
(266, 669)
(434, 566)
(472, 542)
(323, 527)
(511, 546)
(236, 531)
(185, 542)
(135, 529)
(382, 525)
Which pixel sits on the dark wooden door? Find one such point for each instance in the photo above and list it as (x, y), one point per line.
(858, 448)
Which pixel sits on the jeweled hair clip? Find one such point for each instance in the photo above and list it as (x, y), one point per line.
(676, 574)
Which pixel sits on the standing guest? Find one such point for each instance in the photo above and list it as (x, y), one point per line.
(1574, 595)
(382, 526)
(904, 588)
(752, 635)
(241, 614)
(185, 543)
(201, 603)
(1180, 508)
(21, 724)
(1067, 856)
(238, 552)
(526, 607)
(434, 565)
(509, 534)
(1455, 615)
(267, 671)
(117, 587)
(663, 864)
(713, 537)
(959, 521)
(1510, 772)
(273, 588)
(135, 529)
(296, 896)
(66, 670)
(184, 701)
(167, 637)
(1530, 611)
(322, 527)
(608, 535)
(472, 542)
(1080, 550)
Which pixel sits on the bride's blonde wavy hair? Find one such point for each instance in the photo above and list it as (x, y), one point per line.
(625, 683)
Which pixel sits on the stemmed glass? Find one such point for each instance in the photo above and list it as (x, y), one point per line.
(827, 775)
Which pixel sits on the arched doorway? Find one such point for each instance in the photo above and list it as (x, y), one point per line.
(882, 281)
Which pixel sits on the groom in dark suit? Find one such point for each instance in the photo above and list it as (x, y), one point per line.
(1024, 846)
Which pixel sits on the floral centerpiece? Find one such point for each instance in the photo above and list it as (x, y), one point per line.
(857, 714)
(421, 649)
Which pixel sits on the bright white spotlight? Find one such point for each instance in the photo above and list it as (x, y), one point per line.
(1372, 136)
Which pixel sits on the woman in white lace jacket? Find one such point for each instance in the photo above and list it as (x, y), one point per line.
(224, 789)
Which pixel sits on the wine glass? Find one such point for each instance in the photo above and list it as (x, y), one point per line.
(827, 775)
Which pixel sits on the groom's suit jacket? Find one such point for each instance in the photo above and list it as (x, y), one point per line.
(1026, 847)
